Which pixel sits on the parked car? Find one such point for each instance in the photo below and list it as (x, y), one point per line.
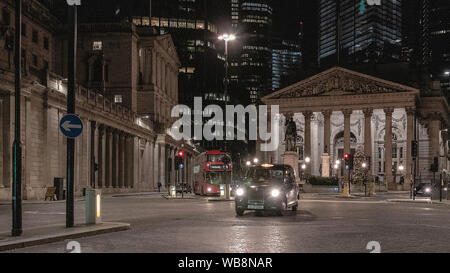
(184, 187)
(268, 188)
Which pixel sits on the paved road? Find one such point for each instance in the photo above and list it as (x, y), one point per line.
(328, 225)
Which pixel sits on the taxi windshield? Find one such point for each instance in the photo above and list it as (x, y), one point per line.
(258, 175)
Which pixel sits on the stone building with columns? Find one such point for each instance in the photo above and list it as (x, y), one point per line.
(126, 88)
(341, 111)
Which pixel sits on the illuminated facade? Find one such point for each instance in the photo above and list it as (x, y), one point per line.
(440, 39)
(193, 27)
(286, 61)
(349, 36)
(255, 21)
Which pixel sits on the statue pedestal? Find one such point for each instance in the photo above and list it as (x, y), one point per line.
(291, 158)
(325, 165)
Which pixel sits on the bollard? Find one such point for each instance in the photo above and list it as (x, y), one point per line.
(93, 206)
(173, 191)
(222, 191)
(345, 191)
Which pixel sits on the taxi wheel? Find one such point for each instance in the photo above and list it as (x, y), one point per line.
(240, 212)
(283, 207)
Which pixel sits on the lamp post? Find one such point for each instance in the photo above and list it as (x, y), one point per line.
(226, 38)
(17, 146)
(72, 68)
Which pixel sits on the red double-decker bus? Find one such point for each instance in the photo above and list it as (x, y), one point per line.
(212, 169)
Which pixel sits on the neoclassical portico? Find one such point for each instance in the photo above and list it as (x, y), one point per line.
(339, 111)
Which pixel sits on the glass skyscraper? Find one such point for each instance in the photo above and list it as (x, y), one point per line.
(350, 34)
(286, 61)
(252, 22)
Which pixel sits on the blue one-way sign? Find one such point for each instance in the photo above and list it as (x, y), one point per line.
(71, 126)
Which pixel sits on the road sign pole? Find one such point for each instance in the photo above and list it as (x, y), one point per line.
(72, 54)
(17, 146)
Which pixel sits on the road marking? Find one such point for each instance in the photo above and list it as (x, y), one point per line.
(345, 202)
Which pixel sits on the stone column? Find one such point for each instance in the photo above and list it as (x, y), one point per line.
(307, 150)
(368, 135)
(150, 178)
(2, 183)
(126, 160)
(388, 150)
(434, 128)
(93, 153)
(108, 158)
(100, 156)
(347, 136)
(115, 162)
(172, 154)
(162, 166)
(156, 161)
(410, 113)
(327, 131)
(7, 137)
(121, 160)
(154, 71)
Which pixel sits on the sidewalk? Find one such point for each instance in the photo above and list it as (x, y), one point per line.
(108, 195)
(57, 233)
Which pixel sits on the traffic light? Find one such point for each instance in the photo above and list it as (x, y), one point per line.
(181, 154)
(347, 161)
(414, 148)
(178, 161)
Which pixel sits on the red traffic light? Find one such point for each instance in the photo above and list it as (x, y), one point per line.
(180, 153)
(346, 156)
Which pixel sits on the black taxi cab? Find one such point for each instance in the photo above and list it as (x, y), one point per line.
(268, 187)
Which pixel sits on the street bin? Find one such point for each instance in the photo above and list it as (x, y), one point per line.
(93, 206)
(58, 183)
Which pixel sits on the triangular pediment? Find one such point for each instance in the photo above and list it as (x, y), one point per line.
(339, 81)
(167, 43)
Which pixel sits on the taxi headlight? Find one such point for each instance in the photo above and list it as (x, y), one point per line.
(240, 192)
(275, 193)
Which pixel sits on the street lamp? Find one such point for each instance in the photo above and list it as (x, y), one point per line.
(226, 37)
(307, 159)
(401, 168)
(248, 163)
(364, 165)
(255, 161)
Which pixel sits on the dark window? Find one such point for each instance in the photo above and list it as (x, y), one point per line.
(35, 61)
(24, 58)
(46, 43)
(106, 73)
(97, 74)
(24, 30)
(6, 17)
(35, 38)
(45, 64)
